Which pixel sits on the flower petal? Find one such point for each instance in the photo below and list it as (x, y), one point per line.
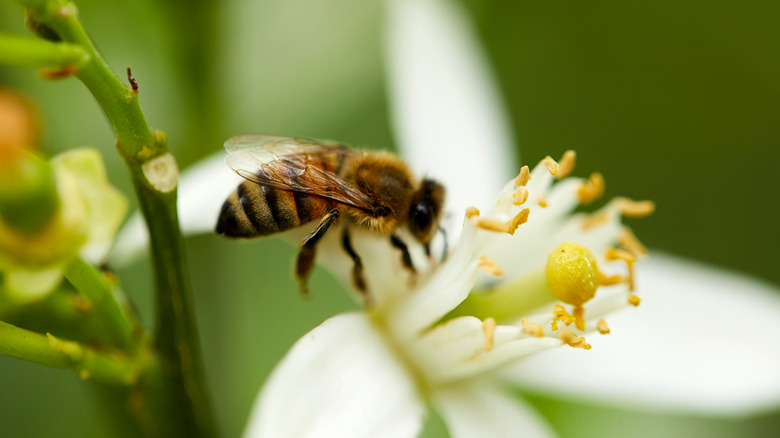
(703, 340)
(477, 409)
(444, 102)
(340, 379)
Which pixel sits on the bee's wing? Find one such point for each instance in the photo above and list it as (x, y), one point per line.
(294, 165)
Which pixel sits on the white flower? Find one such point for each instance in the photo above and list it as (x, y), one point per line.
(401, 351)
(700, 342)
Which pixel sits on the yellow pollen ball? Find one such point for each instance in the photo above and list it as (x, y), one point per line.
(572, 273)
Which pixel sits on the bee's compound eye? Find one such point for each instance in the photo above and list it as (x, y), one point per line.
(422, 218)
(381, 211)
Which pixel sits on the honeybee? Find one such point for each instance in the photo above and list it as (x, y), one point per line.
(291, 182)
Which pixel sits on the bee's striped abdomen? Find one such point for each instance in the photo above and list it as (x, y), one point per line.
(254, 210)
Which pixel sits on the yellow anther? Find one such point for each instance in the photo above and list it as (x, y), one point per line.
(504, 227)
(634, 300)
(560, 314)
(523, 177)
(572, 273)
(591, 189)
(542, 201)
(619, 254)
(554, 324)
(602, 327)
(573, 340)
(611, 280)
(579, 318)
(490, 266)
(471, 212)
(520, 196)
(595, 219)
(628, 240)
(551, 164)
(631, 208)
(629, 258)
(532, 328)
(489, 328)
(566, 164)
(518, 220)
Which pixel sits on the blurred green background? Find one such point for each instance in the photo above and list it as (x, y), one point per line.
(678, 102)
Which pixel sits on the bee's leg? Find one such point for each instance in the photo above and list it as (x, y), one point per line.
(357, 269)
(305, 262)
(446, 246)
(406, 257)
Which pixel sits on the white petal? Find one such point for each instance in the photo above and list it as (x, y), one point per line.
(340, 379)
(203, 188)
(446, 288)
(446, 110)
(476, 409)
(703, 340)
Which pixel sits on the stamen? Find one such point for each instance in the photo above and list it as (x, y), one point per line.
(591, 189)
(631, 208)
(566, 164)
(518, 220)
(573, 340)
(551, 164)
(619, 254)
(489, 328)
(532, 328)
(634, 300)
(523, 177)
(508, 227)
(572, 273)
(542, 201)
(602, 327)
(579, 318)
(490, 266)
(629, 241)
(612, 280)
(595, 219)
(630, 259)
(471, 212)
(560, 314)
(520, 196)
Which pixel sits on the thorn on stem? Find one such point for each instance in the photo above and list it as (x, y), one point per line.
(133, 82)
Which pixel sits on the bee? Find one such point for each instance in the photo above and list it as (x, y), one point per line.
(291, 182)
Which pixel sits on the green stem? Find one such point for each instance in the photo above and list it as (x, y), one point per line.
(99, 290)
(53, 352)
(154, 178)
(35, 52)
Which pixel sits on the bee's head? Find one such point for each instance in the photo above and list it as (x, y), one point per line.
(426, 210)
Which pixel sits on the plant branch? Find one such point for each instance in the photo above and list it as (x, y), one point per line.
(35, 52)
(53, 352)
(99, 291)
(154, 174)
